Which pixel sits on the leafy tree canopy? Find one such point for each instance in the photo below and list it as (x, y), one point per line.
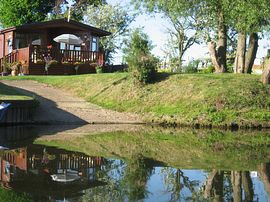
(141, 62)
(18, 12)
(247, 16)
(114, 19)
(184, 30)
(78, 8)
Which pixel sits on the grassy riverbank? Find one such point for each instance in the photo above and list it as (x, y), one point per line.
(187, 99)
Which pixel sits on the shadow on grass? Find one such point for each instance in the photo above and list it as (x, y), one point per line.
(48, 112)
(47, 116)
(107, 87)
(162, 76)
(9, 91)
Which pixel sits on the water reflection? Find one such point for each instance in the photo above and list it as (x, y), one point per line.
(48, 173)
(45, 173)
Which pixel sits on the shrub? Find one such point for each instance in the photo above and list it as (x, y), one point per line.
(66, 63)
(15, 66)
(99, 69)
(145, 69)
(53, 62)
(40, 62)
(191, 67)
(209, 69)
(6, 65)
(142, 64)
(77, 66)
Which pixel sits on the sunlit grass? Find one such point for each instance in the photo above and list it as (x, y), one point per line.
(205, 99)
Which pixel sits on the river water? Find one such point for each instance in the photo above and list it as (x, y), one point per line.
(133, 164)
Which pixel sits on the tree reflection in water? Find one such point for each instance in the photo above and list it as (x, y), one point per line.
(124, 181)
(137, 173)
(229, 185)
(264, 173)
(175, 181)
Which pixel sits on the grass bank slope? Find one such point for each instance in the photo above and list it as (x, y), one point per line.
(189, 99)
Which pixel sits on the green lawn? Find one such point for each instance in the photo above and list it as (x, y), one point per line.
(205, 99)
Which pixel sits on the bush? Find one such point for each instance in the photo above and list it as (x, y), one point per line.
(99, 69)
(142, 64)
(6, 65)
(209, 69)
(145, 70)
(192, 67)
(53, 62)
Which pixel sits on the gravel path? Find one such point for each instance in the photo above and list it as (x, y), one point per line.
(60, 107)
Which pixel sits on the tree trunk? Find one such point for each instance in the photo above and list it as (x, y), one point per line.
(222, 43)
(213, 55)
(252, 52)
(264, 174)
(239, 62)
(214, 186)
(265, 78)
(181, 49)
(218, 56)
(248, 186)
(180, 61)
(236, 184)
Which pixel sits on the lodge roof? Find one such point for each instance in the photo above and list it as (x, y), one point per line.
(63, 23)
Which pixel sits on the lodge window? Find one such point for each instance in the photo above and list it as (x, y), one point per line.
(62, 46)
(77, 48)
(23, 40)
(9, 42)
(94, 44)
(65, 46)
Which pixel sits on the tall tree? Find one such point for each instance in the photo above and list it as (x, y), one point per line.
(207, 15)
(248, 18)
(215, 23)
(265, 78)
(77, 8)
(18, 12)
(142, 64)
(114, 19)
(185, 26)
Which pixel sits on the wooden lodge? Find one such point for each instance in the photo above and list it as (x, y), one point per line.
(29, 44)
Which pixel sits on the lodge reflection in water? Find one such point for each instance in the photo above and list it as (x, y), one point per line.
(48, 172)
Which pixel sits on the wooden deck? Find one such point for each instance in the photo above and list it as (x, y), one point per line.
(71, 56)
(33, 62)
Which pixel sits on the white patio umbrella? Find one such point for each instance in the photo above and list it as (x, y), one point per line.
(66, 176)
(36, 42)
(68, 39)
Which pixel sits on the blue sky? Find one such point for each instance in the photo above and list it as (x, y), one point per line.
(155, 27)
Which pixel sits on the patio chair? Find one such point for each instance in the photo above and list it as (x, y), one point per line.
(3, 110)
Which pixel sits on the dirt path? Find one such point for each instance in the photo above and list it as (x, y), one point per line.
(60, 107)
